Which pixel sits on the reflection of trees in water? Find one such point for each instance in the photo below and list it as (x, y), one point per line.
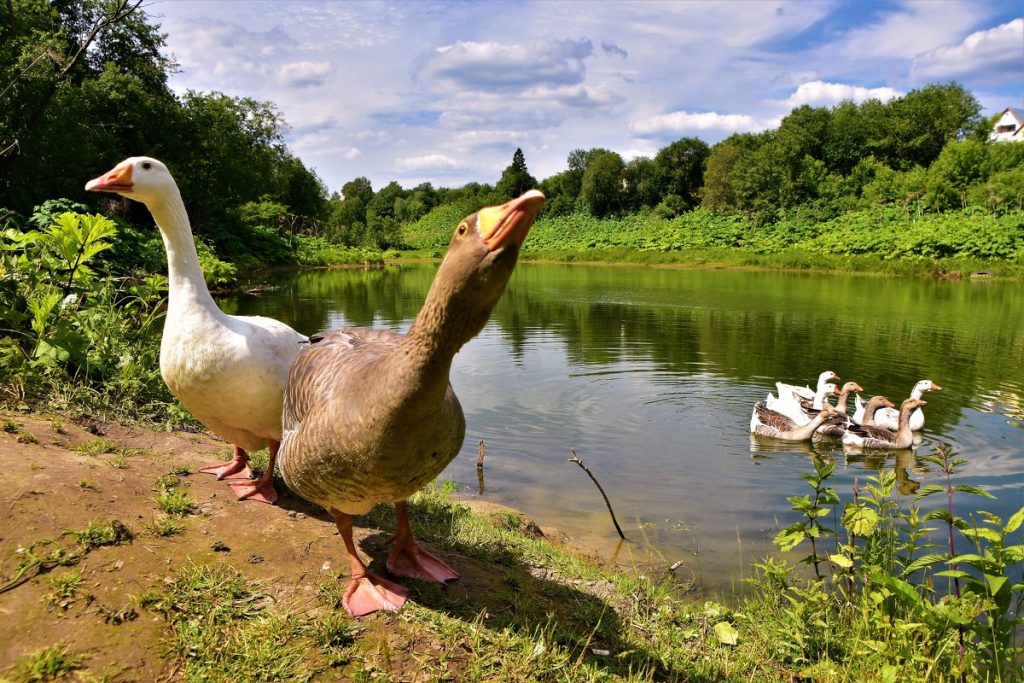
(753, 327)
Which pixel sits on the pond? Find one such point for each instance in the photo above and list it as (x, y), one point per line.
(650, 375)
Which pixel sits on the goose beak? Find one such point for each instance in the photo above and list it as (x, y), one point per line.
(509, 223)
(936, 387)
(117, 179)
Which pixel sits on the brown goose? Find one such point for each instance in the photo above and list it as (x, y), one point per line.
(369, 416)
(869, 409)
(777, 426)
(836, 426)
(881, 438)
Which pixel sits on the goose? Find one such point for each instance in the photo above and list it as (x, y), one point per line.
(369, 415)
(805, 392)
(837, 426)
(228, 371)
(789, 405)
(777, 426)
(877, 437)
(871, 408)
(889, 418)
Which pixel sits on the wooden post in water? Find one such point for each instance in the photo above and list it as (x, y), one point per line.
(480, 465)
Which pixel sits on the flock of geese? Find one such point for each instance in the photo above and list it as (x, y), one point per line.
(801, 414)
(351, 417)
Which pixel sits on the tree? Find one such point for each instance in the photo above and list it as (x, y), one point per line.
(348, 216)
(681, 168)
(643, 183)
(515, 179)
(601, 188)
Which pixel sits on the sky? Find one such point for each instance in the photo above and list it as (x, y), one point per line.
(445, 91)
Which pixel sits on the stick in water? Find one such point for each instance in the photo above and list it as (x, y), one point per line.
(576, 459)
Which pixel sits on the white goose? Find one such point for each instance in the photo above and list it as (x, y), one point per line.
(805, 392)
(229, 371)
(889, 417)
(789, 405)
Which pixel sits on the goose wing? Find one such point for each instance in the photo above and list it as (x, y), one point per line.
(770, 418)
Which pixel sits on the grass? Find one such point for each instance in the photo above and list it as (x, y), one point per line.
(172, 499)
(100, 446)
(164, 526)
(221, 624)
(88, 484)
(48, 664)
(64, 588)
(25, 436)
(99, 534)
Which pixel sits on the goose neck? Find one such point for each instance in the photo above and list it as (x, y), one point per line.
(185, 283)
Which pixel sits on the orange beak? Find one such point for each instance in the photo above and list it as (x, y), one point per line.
(117, 179)
(936, 387)
(509, 223)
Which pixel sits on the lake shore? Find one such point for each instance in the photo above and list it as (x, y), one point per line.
(120, 563)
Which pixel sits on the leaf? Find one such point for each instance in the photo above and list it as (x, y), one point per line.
(990, 535)
(966, 488)
(841, 561)
(1016, 519)
(903, 591)
(995, 583)
(955, 574)
(787, 539)
(921, 563)
(929, 489)
(727, 634)
(860, 520)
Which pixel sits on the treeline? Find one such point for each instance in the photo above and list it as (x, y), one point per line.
(83, 84)
(927, 151)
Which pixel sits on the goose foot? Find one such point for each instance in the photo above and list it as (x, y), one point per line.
(236, 468)
(371, 593)
(413, 562)
(261, 490)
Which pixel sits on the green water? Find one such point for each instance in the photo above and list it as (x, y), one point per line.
(651, 374)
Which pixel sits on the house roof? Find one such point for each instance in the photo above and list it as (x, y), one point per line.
(1016, 113)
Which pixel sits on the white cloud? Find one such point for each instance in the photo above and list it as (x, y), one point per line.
(822, 94)
(912, 30)
(431, 162)
(493, 66)
(302, 73)
(996, 54)
(684, 121)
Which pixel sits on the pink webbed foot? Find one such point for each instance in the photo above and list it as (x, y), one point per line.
(261, 490)
(370, 593)
(413, 562)
(236, 468)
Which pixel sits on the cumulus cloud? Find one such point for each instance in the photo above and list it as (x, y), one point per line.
(493, 66)
(613, 49)
(684, 121)
(298, 74)
(911, 30)
(429, 162)
(995, 55)
(823, 94)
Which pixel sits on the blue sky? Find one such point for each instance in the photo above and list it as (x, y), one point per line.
(444, 91)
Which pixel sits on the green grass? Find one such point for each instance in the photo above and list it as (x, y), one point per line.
(164, 526)
(98, 534)
(223, 628)
(100, 446)
(64, 588)
(25, 436)
(176, 502)
(48, 664)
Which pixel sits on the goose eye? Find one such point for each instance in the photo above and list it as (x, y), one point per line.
(462, 229)
(146, 165)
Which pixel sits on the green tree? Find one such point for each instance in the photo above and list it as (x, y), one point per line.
(601, 189)
(643, 181)
(382, 226)
(348, 214)
(515, 179)
(681, 168)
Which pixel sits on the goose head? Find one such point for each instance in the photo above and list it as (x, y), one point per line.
(911, 404)
(925, 385)
(143, 179)
(851, 387)
(827, 376)
(482, 255)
